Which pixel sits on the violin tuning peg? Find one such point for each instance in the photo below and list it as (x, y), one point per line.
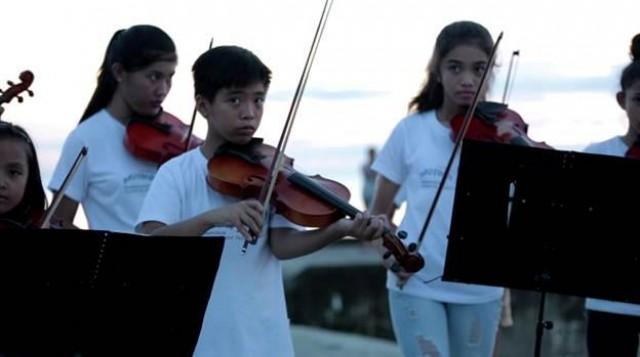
(402, 234)
(412, 247)
(30, 92)
(10, 83)
(386, 255)
(1, 91)
(19, 99)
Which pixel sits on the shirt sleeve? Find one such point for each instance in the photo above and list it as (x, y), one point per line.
(390, 161)
(163, 200)
(79, 184)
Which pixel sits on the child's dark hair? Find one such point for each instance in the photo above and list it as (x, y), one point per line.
(631, 72)
(134, 48)
(227, 67)
(34, 200)
(431, 96)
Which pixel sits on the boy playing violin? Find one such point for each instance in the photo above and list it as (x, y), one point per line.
(246, 314)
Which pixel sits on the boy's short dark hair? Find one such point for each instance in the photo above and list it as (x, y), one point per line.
(227, 67)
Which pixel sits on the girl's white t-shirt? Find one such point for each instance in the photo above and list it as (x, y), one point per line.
(110, 183)
(415, 157)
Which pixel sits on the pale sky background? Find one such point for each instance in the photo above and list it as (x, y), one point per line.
(370, 63)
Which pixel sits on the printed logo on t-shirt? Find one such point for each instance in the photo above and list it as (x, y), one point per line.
(137, 183)
(431, 177)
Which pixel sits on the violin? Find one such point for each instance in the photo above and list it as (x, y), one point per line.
(495, 122)
(159, 139)
(314, 201)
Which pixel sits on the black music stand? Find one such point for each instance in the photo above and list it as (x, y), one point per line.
(95, 293)
(545, 220)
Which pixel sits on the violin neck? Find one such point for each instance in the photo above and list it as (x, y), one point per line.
(322, 193)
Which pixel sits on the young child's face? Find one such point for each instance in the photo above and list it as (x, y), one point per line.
(14, 171)
(234, 114)
(460, 73)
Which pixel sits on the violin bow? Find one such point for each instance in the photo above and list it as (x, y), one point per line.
(463, 130)
(508, 85)
(278, 161)
(187, 142)
(58, 196)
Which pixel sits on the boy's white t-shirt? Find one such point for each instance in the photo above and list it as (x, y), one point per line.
(246, 314)
(415, 157)
(110, 183)
(614, 147)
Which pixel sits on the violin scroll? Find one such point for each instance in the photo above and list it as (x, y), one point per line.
(14, 90)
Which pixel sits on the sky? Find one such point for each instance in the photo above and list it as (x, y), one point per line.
(370, 63)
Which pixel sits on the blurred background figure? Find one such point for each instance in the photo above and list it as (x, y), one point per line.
(369, 177)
